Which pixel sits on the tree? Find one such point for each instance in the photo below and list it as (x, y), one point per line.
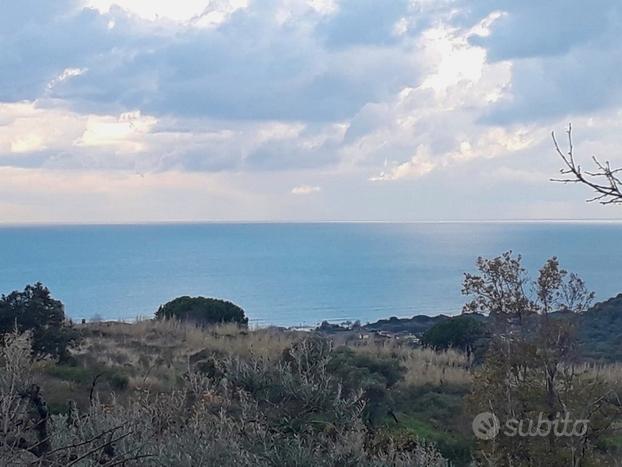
(202, 310)
(460, 332)
(604, 180)
(36, 311)
(503, 290)
(530, 372)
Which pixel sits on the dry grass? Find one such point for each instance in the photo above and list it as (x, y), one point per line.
(610, 373)
(184, 339)
(423, 365)
(155, 353)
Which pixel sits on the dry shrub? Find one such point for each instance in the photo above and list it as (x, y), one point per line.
(611, 373)
(424, 366)
(252, 412)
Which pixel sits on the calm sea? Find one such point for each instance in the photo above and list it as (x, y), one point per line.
(291, 274)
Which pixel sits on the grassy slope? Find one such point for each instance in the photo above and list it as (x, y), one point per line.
(428, 401)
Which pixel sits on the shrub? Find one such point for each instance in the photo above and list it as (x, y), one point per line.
(34, 310)
(202, 310)
(260, 413)
(371, 374)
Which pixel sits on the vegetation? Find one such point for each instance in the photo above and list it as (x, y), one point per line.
(603, 179)
(203, 311)
(599, 331)
(530, 374)
(260, 401)
(36, 312)
(175, 391)
(462, 332)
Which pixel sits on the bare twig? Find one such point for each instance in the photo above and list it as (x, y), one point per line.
(605, 181)
(99, 448)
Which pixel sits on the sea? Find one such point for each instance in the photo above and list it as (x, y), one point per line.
(292, 274)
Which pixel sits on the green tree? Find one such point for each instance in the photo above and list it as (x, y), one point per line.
(461, 332)
(35, 310)
(202, 310)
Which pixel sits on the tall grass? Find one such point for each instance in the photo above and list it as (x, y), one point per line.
(424, 366)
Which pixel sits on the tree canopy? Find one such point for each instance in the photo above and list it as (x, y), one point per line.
(202, 310)
(503, 290)
(460, 332)
(35, 311)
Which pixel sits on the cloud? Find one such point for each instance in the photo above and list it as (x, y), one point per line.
(254, 63)
(360, 22)
(338, 93)
(196, 12)
(565, 57)
(418, 166)
(305, 190)
(532, 28)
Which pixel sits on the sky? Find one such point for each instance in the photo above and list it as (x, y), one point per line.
(303, 110)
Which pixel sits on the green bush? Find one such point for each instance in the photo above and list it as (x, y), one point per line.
(372, 375)
(86, 376)
(35, 311)
(202, 310)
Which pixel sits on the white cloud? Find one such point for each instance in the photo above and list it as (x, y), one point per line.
(66, 74)
(26, 128)
(336, 93)
(206, 13)
(126, 132)
(305, 190)
(418, 166)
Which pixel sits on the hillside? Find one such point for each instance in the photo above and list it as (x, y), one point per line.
(600, 331)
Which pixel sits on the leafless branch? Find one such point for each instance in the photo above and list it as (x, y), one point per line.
(605, 181)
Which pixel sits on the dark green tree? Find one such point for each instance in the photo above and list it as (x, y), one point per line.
(34, 310)
(460, 332)
(202, 310)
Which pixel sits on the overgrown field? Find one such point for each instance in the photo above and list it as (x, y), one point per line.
(168, 393)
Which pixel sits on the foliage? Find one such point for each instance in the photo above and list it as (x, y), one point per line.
(34, 310)
(415, 325)
(373, 375)
(503, 290)
(201, 310)
(461, 332)
(599, 331)
(87, 375)
(530, 368)
(434, 413)
(254, 412)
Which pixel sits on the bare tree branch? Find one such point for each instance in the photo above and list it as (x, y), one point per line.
(605, 181)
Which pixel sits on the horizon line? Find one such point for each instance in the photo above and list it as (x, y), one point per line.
(317, 221)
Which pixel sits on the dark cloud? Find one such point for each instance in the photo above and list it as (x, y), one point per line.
(566, 56)
(585, 81)
(40, 39)
(363, 22)
(536, 28)
(249, 68)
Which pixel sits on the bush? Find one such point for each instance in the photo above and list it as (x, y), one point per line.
(202, 310)
(260, 413)
(34, 310)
